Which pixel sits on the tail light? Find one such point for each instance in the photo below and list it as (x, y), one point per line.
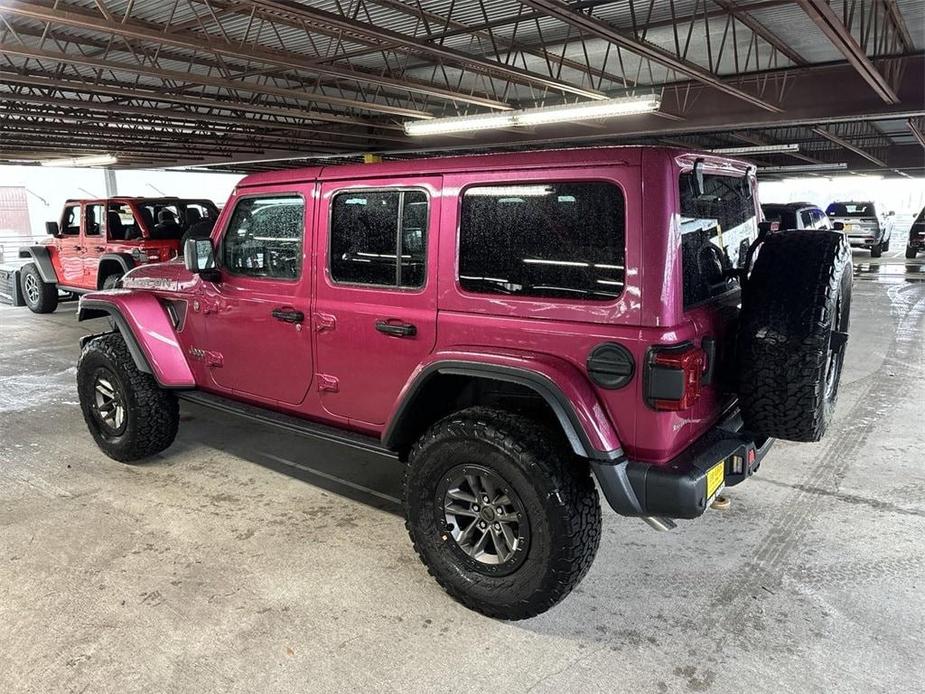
(674, 376)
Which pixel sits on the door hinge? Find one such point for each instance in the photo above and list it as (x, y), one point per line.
(324, 321)
(326, 382)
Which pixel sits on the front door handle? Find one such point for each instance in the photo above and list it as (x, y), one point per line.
(100, 249)
(396, 329)
(288, 315)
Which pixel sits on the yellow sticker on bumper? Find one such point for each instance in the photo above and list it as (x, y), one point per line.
(715, 477)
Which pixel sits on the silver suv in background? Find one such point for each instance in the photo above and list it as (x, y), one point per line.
(864, 225)
(796, 215)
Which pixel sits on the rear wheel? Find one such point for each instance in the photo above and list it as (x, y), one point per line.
(128, 414)
(40, 296)
(876, 251)
(505, 518)
(910, 253)
(793, 334)
(111, 282)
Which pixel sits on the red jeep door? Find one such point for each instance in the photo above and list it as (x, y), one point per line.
(94, 243)
(375, 315)
(69, 264)
(258, 316)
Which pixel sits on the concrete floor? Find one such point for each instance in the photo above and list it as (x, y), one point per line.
(238, 561)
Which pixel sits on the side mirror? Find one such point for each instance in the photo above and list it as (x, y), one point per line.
(768, 227)
(199, 258)
(891, 213)
(51, 228)
(838, 226)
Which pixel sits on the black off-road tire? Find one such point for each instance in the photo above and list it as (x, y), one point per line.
(40, 296)
(111, 282)
(151, 414)
(911, 253)
(558, 497)
(793, 334)
(876, 251)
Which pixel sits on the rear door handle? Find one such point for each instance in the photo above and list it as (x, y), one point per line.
(396, 329)
(288, 315)
(100, 249)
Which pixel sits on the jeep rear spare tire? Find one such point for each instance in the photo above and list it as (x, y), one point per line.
(40, 296)
(793, 333)
(501, 512)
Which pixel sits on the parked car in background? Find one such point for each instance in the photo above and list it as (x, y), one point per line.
(506, 325)
(796, 215)
(95, 242)
(864, 225)
(916, 236)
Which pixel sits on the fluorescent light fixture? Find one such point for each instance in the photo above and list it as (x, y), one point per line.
(566, 113)
(91, 160)
(462, 124)
(803, 167)
(588, 110)
(757, 149)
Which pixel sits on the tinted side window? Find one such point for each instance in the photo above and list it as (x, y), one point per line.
(806, 216)
(70, 221)
(94, 222)
(716, 231)
(560, 240)
(264, 237)
(379, 238)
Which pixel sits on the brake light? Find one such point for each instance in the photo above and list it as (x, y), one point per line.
(675, 377)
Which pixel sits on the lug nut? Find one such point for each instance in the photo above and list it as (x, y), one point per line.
(497, 526)
(475, 507)
(485, 498)
(483, 525)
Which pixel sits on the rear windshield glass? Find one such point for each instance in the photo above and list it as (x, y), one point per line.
(170, 219)
(717, 228)
(850, 209)
(785, 217)
(560, 240)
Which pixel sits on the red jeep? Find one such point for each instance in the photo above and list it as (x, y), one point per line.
(512, 326)
(98, 241)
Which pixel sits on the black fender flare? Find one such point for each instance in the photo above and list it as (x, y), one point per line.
(42, 259)
(92, 309)
(123, 260)
(400, 423)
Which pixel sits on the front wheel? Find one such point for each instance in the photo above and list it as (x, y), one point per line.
(910, 253)
(129, 416)
(505, 518)
(40, 296)
(876, 251)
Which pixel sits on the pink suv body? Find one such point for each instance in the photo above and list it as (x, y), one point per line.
(630, 366)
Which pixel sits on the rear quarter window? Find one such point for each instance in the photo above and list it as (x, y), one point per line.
(716, 230)
(562, 240)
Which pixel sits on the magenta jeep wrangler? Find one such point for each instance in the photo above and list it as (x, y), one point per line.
(511, 326)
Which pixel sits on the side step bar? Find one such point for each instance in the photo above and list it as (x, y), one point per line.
(292, 424)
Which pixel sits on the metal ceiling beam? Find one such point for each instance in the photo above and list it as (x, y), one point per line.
(158, 34)
(836, 31)
(366, 33)
(831, 137)
(741, 13)
(187, 77)
(608, 32)
(373, 130)
(916, 132)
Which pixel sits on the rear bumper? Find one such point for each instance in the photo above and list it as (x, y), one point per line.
(680, 487)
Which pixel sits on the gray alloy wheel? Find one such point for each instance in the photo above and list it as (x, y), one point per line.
(485, 517)
(108, 402)
(30, 286)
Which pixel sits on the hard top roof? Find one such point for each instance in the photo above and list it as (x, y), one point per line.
(616, 155)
